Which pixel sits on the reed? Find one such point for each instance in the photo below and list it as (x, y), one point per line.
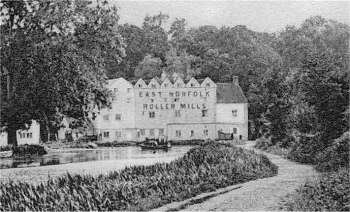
(204, 168)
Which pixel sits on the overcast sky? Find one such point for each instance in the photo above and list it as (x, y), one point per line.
(263, 16)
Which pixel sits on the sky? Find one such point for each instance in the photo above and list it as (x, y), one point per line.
(262, 16)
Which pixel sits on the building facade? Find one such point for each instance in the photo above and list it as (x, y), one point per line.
(173, 108)
(28, 136)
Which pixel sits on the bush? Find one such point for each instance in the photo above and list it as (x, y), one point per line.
(266, 145)
(304, 149)
(187, 142)
(32, 149)
(204, 168)
(329, 193)
(335, 156)
(263, 143)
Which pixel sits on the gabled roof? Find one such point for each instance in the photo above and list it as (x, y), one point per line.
(229, 93)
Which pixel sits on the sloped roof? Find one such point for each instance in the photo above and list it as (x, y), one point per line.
(229, 93)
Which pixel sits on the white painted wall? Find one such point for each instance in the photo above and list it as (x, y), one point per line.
(123, 104)
(224, 113)
(3, 139)
(30, 136)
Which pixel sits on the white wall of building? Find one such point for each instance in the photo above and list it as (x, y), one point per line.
(231, 113)
(233, 118)
(3, 139)
(122, 114)
(30, 136)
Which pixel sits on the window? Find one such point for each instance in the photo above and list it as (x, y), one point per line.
(115, 90)
(128, 100)
(178, 85)
(128, 90)
(204, 113)
(30, 135)
(118, 117)
(152, 114)
(176, 99)
(178, 133)
(152, 100)
(153, 86)
(161, 131)
(234, 113)
(140, 85)
(192, 85)
(106, 134)
(207, 84)
(142, 131)
(205, 132)
(192, 133)
(151, 132)
(165, 99)
(165, 85)
(234, 130)
(118, 134)
(106, 117)
(177, 113)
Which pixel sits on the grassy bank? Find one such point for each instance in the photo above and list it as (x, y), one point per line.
(329, 193)
(203, 169)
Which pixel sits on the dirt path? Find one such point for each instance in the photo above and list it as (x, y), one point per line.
(262, 194)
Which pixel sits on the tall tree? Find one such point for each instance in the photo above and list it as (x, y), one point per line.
(55, 53)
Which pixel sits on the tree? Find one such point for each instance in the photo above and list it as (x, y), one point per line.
(149, 67)
(55, 53)
(155, 40)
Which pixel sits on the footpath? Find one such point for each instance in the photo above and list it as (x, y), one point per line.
(262, 194)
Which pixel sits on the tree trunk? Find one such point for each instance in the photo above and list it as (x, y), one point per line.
(12, 134)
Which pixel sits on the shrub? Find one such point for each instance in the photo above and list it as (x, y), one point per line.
(32, 149)
(304, 149)
(204, 168)
(335, 156)
(263, 143)
(329, 193)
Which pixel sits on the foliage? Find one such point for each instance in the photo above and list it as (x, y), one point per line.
(263, 143)
(329, 193)
(335, 156)
(305, 148)
(32, 149)
(56, 51)
(202, 169)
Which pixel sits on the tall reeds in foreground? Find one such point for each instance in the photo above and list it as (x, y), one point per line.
(203, 169)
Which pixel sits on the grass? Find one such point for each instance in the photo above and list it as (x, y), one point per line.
(330, 193)
(204, 168)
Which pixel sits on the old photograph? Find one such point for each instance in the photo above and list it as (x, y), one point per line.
(183, 105)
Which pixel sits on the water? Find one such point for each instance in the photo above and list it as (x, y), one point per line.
(66, 156)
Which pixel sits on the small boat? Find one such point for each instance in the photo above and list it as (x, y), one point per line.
(153, 145)
(6, 154)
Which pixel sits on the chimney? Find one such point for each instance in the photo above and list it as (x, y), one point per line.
(235, 80)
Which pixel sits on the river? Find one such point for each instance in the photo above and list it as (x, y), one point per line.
(82, 161)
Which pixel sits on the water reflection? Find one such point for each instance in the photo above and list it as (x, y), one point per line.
(75, 156)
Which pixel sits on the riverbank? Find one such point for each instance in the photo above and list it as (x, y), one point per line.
(84, 161)
(258, 195)
(204, 168)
